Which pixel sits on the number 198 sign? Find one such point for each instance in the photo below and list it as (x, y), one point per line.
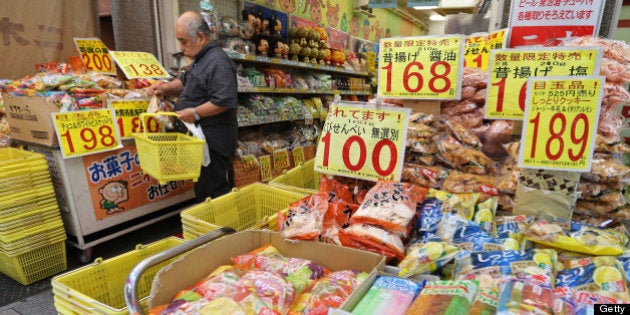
(363, 142)
(423, 67)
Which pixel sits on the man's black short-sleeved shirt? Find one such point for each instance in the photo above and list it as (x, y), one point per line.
(212, 77)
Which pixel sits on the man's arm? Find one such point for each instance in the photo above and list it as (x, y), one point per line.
(170, 88)
(206, 109)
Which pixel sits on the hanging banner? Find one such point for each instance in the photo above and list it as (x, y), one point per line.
(510, 69)
(548, 22)
(95, 55)
(560, 124)
(363, 142)
(383, 4)
(128, 116)
(139, 65)
(423, 67)
(86, 132)
(423, 3)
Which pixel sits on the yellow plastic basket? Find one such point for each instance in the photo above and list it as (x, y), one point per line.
(301, 178)
(168, 156)
(99, 288)
(246, 208)
(13, 159)
(36, 264)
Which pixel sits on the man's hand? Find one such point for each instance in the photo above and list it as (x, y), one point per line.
(156, 89)
(186, 115)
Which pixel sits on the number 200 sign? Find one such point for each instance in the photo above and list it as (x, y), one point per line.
(95, 55)
(560, 125)
(422, 67)
(363, 142)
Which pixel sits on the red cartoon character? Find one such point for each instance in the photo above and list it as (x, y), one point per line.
(354, 26)
(332, 14)
(287, 6)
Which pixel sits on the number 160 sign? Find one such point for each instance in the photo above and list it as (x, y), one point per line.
(363, 142)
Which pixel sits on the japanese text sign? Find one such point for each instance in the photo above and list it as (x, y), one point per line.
(535, 22)
(510, 69)
(422, 67)
(363, 142)
(560, 126)
(95, 55)
(86, 132)
(137, 64)
(478, 46)
(128, 116)
(265, 168)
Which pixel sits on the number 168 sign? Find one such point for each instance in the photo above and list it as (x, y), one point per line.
(363, 142)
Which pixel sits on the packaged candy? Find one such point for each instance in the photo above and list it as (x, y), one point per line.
(485, 303)
(445, 298)
(305, 218)
(484, 214)
(329, 292)
(462, 204)
(512, 226)
(388, 296)
(470, 236)
(222, 282)
(372, 238)
(430, 216)
(185, 302)
(262, 292)
(600, 275)
(524, 297)
(426, 258)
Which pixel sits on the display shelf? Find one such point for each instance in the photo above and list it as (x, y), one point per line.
(299, 91)
(269, 119)
(290, 63)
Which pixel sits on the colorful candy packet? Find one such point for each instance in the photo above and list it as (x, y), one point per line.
(485, 213)
(471, 236)
(485, 303)
(388, 296)
(518, 296)
(328, 292)
(512, 226)
(426, 258)
(429, 216)
(445, 298)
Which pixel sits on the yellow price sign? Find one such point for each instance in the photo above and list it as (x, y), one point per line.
(128, 116)
(139, 65)
(510, 69)
(280, 159)
(421, 67)
(86, 132)
(249, 162)
(298, 156)
(265, 168)
(95, 55)
(363, 142)
(560, 124)
(477, 52)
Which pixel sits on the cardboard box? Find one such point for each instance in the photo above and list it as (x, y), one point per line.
(199, 263)
(30, 119)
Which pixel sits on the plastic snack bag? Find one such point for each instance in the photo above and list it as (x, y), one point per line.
(305, 219)
(429, 217)
(388, 296)
(445, 298)
(328, 292)
(264, 293)
(485, 303)
(512, 226)
(372, 238)
(524, 297)
(220, 283)
(599, 275)
(484, 214)
(426, 258)
(470, 236)
(336, 218)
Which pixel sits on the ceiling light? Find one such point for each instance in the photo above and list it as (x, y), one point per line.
(437, 17)
(425, 7)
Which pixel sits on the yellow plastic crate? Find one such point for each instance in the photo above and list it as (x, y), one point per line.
(302, 179)
(36, 264)
(33, 242)
(14, 159)
(99, 288)
(26, 197)
(169, 156)
(247, 208)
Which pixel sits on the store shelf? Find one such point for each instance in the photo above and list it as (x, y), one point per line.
(297, 64)
(299, 91)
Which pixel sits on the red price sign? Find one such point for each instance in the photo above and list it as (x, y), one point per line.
(510, 69)
(363, 142)
(561, 116)
(95, 55)
(424, 67)
(128, 116)
(136, 64)
(86, 132)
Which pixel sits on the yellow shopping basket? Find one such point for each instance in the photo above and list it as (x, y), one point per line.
(168, 156)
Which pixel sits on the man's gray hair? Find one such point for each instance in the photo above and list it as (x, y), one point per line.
(198, 24)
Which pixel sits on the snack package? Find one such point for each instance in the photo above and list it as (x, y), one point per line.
(512, 226)
(485, 303)
(602, 275)
(221, 283)
(484, 214)
(524, 297)
(305, 218)
(462, 158)
(429, 217)
(575, 237)
(372, 238)
(328, 292)
(426, 258)
(262, 291)
(336, 218)
(445, 298)
(388, 296)
(185, 302)
(470, 236)
(391, 205)
(336, 191)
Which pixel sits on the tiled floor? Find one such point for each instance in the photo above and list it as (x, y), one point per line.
(37, 298)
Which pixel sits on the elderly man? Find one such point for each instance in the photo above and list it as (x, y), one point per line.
(207, 95)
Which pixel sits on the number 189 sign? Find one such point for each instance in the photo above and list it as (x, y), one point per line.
(363, 142)
(423, 67)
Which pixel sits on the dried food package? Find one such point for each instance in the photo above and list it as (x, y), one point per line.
(373, 239)
(552, 193)
(454, 154)
(305, 218)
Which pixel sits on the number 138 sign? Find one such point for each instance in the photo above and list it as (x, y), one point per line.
(560, 125)
(363, 142)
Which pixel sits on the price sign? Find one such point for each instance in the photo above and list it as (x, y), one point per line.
(510, 69)
(249, 162)
(478, 46)
(280, 159)
(422, 67)
(560, 124)
(95, 55)
(298, 156)
(138, 65)
(128, 116)
(265, 168)
(86, 132)
(363, 142)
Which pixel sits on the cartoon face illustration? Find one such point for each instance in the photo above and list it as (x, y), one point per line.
(287, 6)
(344, 23)
(316, 11)
(378, 31)
(366, 29)
(354, 26)
(332, 14)
(113, 193)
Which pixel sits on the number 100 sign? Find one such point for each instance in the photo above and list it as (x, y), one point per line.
(560, 123)
(363, 142)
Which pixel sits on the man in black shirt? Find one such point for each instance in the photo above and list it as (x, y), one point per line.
(207, 96)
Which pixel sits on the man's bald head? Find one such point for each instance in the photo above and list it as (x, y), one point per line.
(193, 23)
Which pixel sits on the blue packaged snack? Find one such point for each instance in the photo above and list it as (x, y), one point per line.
(430, 216)
(473, 237)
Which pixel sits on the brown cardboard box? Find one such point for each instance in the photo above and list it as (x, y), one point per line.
(30, 119)
(199, 263)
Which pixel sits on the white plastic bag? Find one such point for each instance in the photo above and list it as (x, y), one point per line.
(197, 132)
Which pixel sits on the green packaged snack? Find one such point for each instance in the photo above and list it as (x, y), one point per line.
(445, 298)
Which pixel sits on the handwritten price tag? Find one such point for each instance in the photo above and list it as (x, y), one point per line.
(128, 116)
(510, 69)
(423, 67)
(139, 65)
(265, 168)
(560, 125)
(363, 142)
(95, 55)
(249, 162)
(280, 159)
(86, 132)
(298, 156)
